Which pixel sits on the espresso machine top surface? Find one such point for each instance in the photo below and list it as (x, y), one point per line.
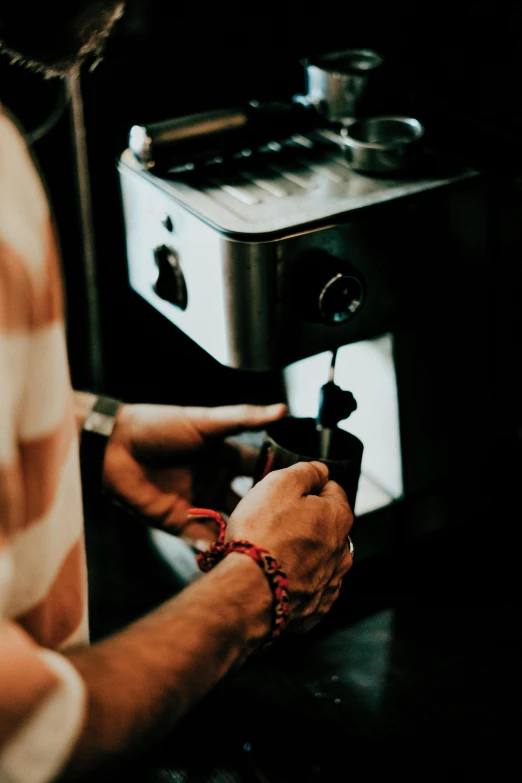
(302, 182)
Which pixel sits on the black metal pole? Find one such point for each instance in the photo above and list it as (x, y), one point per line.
(94, 363)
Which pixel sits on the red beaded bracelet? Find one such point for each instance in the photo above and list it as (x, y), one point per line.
(276, 576)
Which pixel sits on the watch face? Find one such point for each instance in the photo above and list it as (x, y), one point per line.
(96, 431)
(100, 423)
(102, 416)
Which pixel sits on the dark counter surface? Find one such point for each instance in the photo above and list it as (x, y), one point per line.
(424, 643)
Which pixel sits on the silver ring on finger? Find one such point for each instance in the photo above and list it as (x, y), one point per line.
(350, 546)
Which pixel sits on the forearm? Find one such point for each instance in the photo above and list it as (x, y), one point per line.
(83, 402)
(143, 680)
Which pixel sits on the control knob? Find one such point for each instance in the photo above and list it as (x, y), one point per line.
(170, 283)
(329, 290)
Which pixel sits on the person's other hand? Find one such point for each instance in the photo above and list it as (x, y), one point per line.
(303, 520)
(161, 460)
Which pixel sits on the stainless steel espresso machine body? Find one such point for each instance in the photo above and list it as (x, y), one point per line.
(281, 254)
(274, 254)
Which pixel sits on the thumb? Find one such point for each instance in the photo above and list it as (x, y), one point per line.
(229, 419)
(304, 478)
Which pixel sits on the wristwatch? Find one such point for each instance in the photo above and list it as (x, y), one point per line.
(96, 431)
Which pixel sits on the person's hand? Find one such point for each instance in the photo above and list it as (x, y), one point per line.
(161, 460)
(303, 520)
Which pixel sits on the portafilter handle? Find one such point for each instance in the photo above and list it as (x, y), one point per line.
(188, 139)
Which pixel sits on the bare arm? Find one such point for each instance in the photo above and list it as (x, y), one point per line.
(141, 681)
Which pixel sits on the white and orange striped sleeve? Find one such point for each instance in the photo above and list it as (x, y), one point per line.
(42, 564)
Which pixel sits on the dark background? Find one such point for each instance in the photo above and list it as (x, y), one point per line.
(457, 68)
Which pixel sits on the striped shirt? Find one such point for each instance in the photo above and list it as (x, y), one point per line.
(43, 595)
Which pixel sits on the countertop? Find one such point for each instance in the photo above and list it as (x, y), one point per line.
(423, 644)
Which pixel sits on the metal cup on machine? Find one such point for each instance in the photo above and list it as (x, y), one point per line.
(293, 440)
(337, 82)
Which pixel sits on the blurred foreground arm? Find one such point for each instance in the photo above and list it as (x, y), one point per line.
(143, 680)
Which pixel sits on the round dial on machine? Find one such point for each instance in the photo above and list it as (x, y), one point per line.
(340, 298)
(327, 289)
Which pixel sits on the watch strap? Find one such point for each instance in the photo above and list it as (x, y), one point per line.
(96, 431)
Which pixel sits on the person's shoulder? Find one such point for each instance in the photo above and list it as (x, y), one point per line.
(9, 127)
(13, 148)
(24, 208)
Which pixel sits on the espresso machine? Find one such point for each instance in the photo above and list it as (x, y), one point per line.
(273, 235)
